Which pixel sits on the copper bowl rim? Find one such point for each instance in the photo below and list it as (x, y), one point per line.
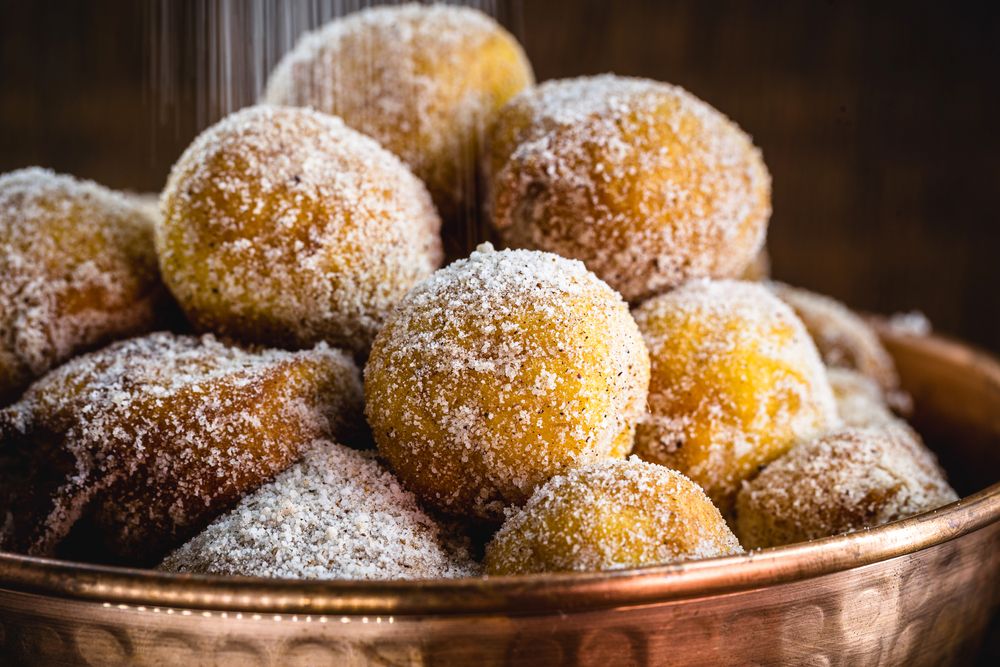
(127, 587)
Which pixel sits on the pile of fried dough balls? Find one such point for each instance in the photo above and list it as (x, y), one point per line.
(620, 386)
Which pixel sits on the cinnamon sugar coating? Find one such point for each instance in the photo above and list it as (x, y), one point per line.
(735, 382)
(337, 514)
(285, 227)
(424, 81)
(843, 338)
(147, 440)
(500, 371)
(610, 515)
(845, 481)
(77, 270)
(643, 182)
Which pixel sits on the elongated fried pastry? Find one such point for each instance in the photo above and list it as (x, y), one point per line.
(144, 442)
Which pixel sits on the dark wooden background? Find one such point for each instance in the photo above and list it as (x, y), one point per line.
(878, 120)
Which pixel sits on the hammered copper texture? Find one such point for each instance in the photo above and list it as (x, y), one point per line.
(794, 606)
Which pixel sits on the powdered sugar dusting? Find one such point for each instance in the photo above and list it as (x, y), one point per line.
(78, 269)
(502, 370)
(735, 382)
(284, 226)
(152, 437)
(852, 479)
(338, 514)
(645, 183)
(422, 80)
(611, 515)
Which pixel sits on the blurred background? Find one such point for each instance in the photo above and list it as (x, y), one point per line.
(877, 119)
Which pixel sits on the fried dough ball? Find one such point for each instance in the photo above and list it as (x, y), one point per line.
(845, 481)
(843, 338)
(499, 372)
(337, 514)
(860, 400)
(285, 227)
(424, 81)
(147, 440)
(77, 270)
(759, 268)
(735, 382)
(147, 201)
(643, 182)
(610, 515)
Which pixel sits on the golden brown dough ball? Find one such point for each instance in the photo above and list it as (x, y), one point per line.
(499, 372)
(610, 515)
(860, 400)
(77, 270)
(643, 182)
(735, 381)
(285, 227)
(424, 81)
(149, 202)
(759, 268)
(843, 338)
(845, 481)
(147, 440)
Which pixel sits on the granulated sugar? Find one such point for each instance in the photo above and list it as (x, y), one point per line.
(643, 182)
(338, 514)
(851, 479)
(284, 226)
(422, 80)
(611, 515)
(860, 400)
(77, 269)
(843, 338)
(152, 437)
(500, 371)
(735, 382)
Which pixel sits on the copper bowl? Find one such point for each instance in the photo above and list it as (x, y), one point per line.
(916, 592)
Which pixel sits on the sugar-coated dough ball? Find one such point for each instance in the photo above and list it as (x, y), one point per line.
(499, 372)
(759, 268)
(735, 382)
(843, 338)
(845, 481)
(147, 440)
(860, 400)
(424, 81)
(643, 182)
(285, 227)
(610, 515)
(77, 270)
(337, 514)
